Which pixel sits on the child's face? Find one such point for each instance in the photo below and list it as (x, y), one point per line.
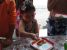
(29, 16)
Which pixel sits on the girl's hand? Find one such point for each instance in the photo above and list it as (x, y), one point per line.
(34, 36)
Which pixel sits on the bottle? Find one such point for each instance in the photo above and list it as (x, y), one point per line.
(65, 45)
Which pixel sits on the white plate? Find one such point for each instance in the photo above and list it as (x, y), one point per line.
(46, 46)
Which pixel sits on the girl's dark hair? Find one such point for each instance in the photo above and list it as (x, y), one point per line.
(1, 1)
(26, 7)
(19, 3)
